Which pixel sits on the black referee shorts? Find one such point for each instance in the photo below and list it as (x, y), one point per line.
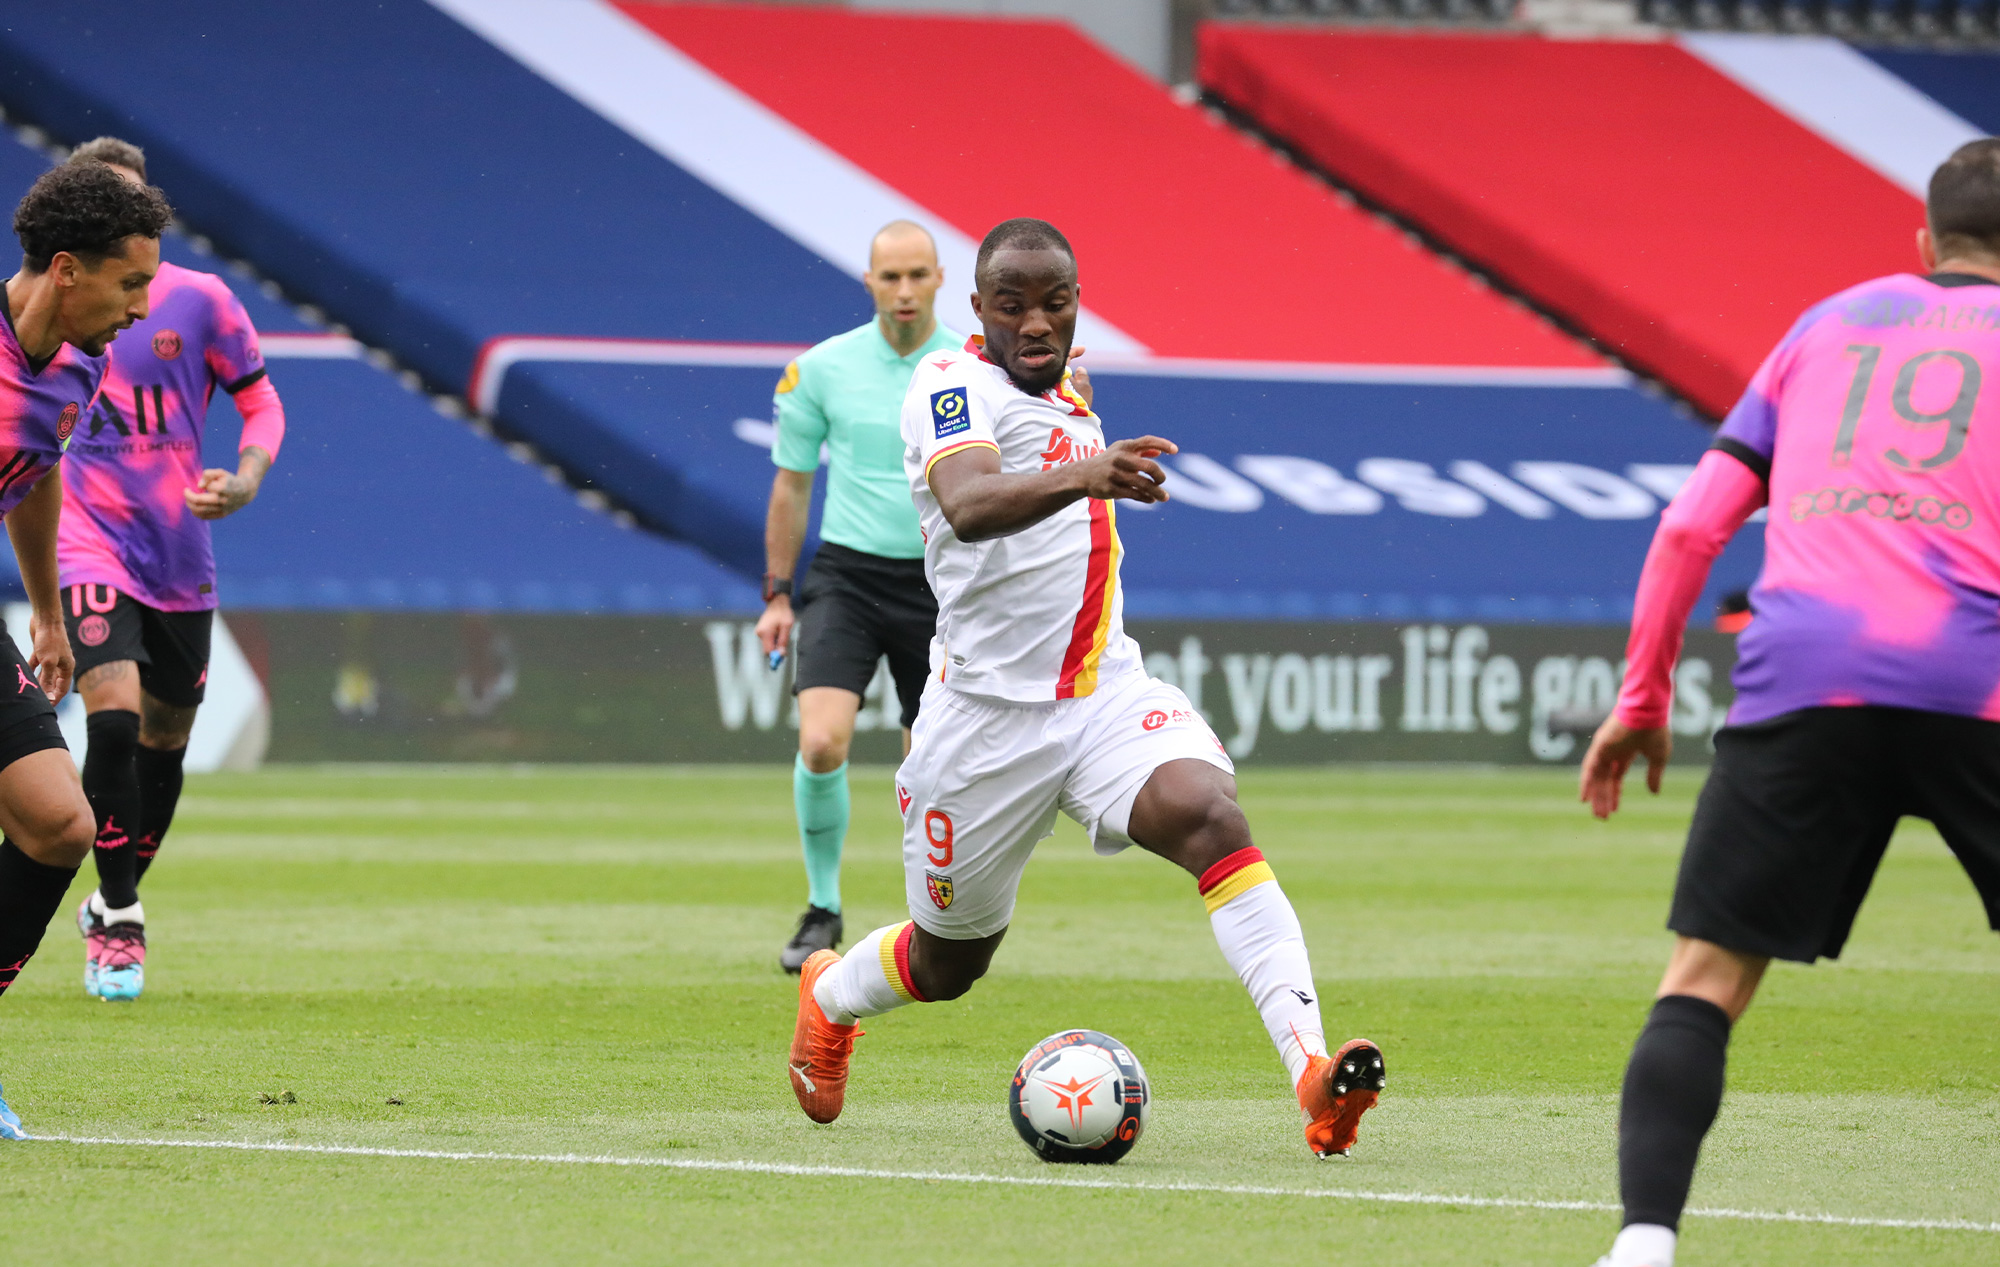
(1797, 812)
(855, 608)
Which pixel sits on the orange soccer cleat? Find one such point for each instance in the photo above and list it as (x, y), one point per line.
(1335, 1091)
(820, 1049)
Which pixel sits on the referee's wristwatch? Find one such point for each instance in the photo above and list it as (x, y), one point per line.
(776, 585)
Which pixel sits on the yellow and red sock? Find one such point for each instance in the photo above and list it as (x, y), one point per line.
(873, 977)
(1260, 936)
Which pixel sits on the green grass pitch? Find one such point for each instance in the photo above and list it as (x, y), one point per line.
(583, 962)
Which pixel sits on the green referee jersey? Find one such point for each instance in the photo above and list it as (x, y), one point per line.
(847, 393)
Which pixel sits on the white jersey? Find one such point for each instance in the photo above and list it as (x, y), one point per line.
(1039, 614)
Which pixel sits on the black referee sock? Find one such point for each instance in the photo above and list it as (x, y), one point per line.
(30, 892)
(111, 782)
(159, 792)
(1673, 1088)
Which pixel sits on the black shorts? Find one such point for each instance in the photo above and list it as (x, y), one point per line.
(171, 648)
(855, 608)
(1797, 811)
(27, 719)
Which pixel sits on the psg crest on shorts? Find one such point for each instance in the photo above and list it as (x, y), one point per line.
(940, 887)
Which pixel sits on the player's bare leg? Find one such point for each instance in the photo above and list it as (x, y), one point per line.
(1673, 1088)
(1187, 813)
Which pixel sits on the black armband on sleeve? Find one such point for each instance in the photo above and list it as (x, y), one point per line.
(1759, 465)
(246, 381)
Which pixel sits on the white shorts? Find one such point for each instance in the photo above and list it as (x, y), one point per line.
(985, 778)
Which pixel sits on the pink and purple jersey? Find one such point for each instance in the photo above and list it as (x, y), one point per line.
(1879, 437)
(40, 408)
(124, 521)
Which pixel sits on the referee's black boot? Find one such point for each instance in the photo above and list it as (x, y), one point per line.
(819, 929)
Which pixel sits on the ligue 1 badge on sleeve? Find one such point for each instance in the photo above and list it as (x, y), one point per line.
(949, 413)
(66, 423)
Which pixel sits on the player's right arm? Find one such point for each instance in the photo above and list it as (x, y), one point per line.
(802, 429)
(980, 501)
(1728, 486)
(31, 526)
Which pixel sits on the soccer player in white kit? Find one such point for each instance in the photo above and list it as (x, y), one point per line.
(1038, 701)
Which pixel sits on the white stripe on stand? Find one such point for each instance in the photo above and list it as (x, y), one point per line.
(1878, 117)
(730, 140)
(307, 347)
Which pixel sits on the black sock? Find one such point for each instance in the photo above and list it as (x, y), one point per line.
(111, 782)
(1673, 1088)
(159, 792)
(30, 892)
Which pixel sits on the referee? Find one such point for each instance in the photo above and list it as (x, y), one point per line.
(864, 596)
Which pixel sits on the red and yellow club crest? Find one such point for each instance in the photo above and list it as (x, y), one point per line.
(167, 345)
(940, 889)
(66, 421)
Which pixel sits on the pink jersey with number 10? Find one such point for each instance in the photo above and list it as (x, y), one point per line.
(1878, 423)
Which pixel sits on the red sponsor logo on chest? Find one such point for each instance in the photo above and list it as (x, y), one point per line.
(1065, 448)
(167, 345)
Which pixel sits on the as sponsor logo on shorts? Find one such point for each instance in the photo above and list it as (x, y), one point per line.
(66, 421)
(1901, 507)
(93, 630)
(940, 889)
(949, 412)
(167, 344)
(1160, 717)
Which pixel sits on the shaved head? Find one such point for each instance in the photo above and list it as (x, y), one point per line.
(903, 277)
(900, 236)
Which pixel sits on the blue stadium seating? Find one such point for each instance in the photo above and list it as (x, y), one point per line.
(457, 197)
(377, 501)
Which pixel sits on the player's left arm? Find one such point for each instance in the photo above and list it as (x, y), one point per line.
(31, 527)
(236, 363)
(222, 492)
(1723, 492)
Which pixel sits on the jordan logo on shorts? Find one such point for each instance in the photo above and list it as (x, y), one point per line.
(25, 683)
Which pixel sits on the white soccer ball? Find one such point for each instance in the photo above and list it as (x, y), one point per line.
(1079, 1096)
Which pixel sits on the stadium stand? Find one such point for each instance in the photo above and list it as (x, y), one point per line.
(379, 502)
(610, 227)
(1649, 192)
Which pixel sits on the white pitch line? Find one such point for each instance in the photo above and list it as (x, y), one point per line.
(1017, 1181)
